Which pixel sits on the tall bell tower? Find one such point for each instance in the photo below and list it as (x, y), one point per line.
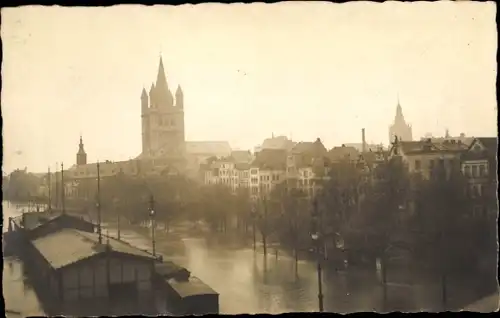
(400, 129)
(162, 119)
(81, 155)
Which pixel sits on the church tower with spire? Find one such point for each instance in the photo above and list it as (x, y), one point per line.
(81, 155)
(400, 129)
(162, 119)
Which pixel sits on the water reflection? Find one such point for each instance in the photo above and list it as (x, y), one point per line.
(248, 282)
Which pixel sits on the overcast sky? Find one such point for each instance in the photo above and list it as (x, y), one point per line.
(305, 70)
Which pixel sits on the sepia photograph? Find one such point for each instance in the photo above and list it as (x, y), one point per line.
(290, 157)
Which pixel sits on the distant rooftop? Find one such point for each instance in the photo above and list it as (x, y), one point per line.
(219, 148)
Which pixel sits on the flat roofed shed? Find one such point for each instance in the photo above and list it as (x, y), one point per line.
(170, 270)
(69, 246)
(191, 287)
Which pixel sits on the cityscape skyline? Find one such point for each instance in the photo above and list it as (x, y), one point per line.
(441, 93)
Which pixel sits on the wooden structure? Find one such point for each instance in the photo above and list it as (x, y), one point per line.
(82, 275)
(184, 294)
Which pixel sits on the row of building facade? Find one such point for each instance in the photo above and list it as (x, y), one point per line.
(306, 165)
(165, 152)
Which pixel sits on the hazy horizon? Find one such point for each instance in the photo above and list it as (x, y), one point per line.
(247, 71)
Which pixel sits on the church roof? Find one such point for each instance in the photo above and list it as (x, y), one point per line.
(216, 148)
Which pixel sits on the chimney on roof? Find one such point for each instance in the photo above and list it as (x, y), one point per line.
(363, 140)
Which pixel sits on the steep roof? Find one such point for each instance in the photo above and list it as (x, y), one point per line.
(315, 148)
(491, 143)
(278, 142)
(487, 149)
(271, 159)
(341, 153)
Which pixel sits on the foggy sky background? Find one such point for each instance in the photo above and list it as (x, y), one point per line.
(305, 70)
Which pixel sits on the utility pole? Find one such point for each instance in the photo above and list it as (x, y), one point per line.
(316, 236)
(253, 228)
(118, 211)
(50, 197)
(57, 187)
(98, 204)
(264, 229)
(63, 189)
(153, 225)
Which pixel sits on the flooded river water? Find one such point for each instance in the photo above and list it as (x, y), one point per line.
(248, 282)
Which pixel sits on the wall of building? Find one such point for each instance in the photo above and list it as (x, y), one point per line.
(89, 279)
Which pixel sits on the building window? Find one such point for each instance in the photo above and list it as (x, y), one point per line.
(475, 171)
(417, 164)
(482, 170)
(468, 171)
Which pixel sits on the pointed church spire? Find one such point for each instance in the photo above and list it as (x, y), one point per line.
(80, 146)
(179, 97)
(179, 90)
(152, 103)
(161, 78)
(163, 97)
(399, 111)
(81, 155)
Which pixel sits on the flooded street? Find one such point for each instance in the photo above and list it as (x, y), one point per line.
(20, 298)
(249, 283)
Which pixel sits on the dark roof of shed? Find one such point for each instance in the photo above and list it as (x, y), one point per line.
(169, 269)
(192, 287)
(68, 246)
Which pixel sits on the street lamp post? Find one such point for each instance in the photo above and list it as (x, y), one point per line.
(98, 203)
(253, 228)
(50, 194)
(63, 188)
(152, 215)
(316, 237)
(264, 229)
(115, 201)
